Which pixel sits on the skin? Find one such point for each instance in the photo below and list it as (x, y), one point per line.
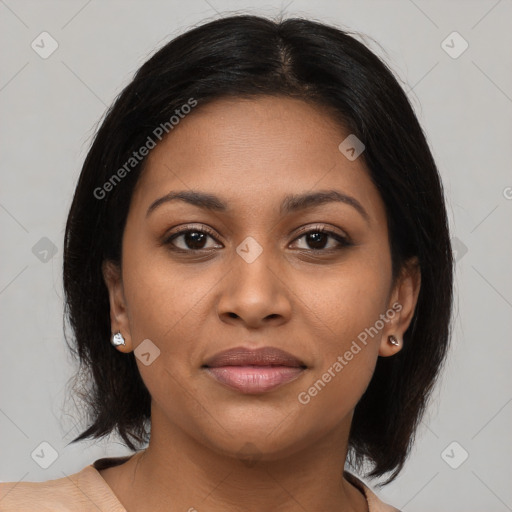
(251, 153)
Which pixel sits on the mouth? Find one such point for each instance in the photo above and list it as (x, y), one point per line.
(254, 371)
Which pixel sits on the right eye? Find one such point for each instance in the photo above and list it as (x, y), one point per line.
(191, 239)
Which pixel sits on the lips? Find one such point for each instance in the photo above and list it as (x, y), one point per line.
(254, 371)
(266, 356)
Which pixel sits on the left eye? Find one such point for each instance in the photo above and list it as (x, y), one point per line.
(317, 238)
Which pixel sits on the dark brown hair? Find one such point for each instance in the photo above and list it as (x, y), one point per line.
(246, 56)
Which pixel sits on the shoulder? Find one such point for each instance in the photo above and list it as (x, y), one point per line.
(375, 504)
(83, 491)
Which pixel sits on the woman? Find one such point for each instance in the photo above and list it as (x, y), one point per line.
(258, 275)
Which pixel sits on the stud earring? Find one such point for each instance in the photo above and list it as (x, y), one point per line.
(117, 339)
(392, 339)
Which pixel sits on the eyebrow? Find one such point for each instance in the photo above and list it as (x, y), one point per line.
(291, 203)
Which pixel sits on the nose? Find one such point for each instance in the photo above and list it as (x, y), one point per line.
(255, 293)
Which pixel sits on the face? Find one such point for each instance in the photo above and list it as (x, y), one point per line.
(256, 267)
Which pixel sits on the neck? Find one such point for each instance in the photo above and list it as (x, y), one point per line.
(177, 472)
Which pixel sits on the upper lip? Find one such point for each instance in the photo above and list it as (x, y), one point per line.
(265, 356)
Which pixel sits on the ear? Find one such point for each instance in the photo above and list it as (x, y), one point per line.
(403, 299)
(118, 312)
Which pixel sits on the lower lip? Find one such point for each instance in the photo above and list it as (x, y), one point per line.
(254, 379)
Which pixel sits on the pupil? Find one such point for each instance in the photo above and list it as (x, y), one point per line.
(195, 238)
(313, 240)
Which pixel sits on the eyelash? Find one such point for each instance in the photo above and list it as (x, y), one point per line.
(342, 241)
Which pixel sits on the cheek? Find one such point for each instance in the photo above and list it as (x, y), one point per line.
(169, 305)
(344, 314)
(164, 307)
(333, 393)
(346, 301)
(158, 293)
(345, 357)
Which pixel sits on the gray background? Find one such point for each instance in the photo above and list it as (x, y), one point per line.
(49, 110)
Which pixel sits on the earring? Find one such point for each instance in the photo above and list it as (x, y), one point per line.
(117, 339)
(392, 339)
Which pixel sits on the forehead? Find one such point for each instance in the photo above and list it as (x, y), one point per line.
(254, 152)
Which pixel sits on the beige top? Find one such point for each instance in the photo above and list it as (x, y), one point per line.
(87, 491)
